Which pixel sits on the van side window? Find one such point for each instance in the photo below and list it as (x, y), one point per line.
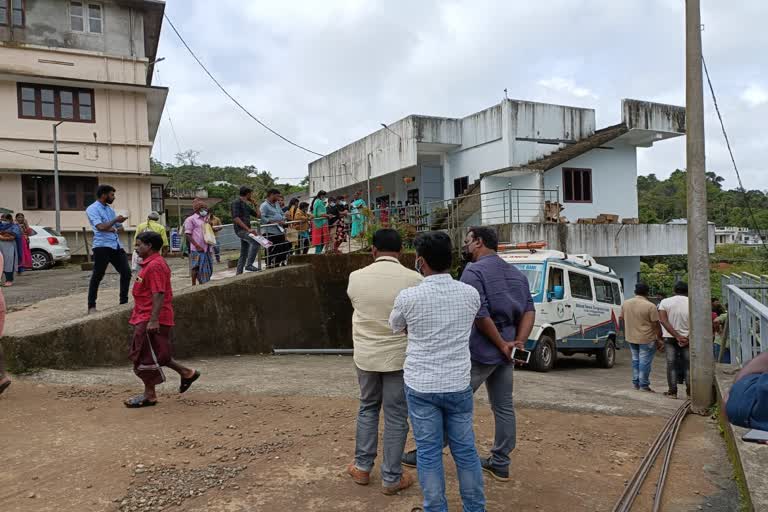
(603, 291)
(556, 278)
(616, 293)
(581, 288)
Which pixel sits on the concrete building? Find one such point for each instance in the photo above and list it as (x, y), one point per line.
(88, 64)
(502, 165)
(737, 235)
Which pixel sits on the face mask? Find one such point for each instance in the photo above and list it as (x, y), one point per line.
(419, 265)
(203, 212)
(343, 203)
(332, 204)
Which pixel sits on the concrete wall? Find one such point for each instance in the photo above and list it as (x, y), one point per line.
(501, 206)
(48, 24)
(645, 115)
(614, 182)
(606, 240)
(304, 305)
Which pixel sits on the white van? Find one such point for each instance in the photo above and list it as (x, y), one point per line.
(578, 306)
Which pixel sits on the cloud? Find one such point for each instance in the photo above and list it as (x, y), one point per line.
(567, 86)
(755, 95)
(327, 73)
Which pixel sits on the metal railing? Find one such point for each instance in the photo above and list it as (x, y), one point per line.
(510, 205)
(746, 296)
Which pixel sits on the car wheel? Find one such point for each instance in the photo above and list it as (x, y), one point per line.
(606, 357)
(544, 354)
(41, 260)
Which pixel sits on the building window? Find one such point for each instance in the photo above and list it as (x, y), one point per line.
(577, 185)
(413, 196)
(12, 12)
(581, 288)
(460, 185)
(55, 103)
(157, 199)
(86, 17)
(75, 193)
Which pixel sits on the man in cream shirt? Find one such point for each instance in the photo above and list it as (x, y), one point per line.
(379, 358)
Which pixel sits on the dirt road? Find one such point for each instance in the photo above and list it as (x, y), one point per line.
(281, 443)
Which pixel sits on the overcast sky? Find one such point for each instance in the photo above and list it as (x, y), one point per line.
(327, 73)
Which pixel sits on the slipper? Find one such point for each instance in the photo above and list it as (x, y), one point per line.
(4, 386)
(139, 401)
(186, 383)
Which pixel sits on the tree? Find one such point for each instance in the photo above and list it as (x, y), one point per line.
(188, 157)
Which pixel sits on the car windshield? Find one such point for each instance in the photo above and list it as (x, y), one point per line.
(535, 274)
(52, 231)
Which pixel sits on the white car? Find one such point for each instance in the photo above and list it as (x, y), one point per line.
(48, 247)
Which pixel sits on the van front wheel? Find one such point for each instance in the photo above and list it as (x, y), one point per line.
(606, 357)
(544, 354)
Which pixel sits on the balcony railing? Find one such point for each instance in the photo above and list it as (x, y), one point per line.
(747, 298)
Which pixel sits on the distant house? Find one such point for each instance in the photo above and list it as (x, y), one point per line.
(737, 235)
(178, 203)
(508, 164)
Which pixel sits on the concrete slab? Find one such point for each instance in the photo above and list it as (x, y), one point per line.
(752, 458)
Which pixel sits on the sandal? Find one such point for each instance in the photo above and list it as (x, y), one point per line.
(186, 383)
(139, 401)
(4, 386)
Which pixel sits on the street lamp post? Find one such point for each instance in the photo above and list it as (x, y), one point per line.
(57, 199)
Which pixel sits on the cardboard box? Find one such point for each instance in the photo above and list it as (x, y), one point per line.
(630, 220)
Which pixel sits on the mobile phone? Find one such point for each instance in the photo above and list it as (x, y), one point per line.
(521, 355)
(756, 436)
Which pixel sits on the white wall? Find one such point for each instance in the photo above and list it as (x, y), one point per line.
(626, 268)
(471, 162)
(500, 205)
(614, 182)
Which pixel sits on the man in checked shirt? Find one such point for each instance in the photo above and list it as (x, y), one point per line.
(438, 315)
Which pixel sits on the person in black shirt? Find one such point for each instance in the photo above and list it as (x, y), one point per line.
(342, 228)
(242, 211)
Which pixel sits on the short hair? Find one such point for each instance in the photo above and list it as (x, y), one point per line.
(487, 235)
(321, 193)
(303, 205)
(681, 288)
(642, 289)
(104, 190)
(272, 191)
(294, 200)
(245, 190)
(7, 216)
(387, 240)
(436, 249)
(151, 238)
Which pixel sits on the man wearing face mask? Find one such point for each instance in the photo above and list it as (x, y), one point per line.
(200, 253)
(505, 321)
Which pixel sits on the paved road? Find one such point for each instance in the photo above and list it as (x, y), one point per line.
(576, 385)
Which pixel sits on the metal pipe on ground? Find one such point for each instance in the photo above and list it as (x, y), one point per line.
(667, 437)
(312, 351)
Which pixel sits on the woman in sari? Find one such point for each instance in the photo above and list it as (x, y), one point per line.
(25, 260)
(10, 247)
(357, 215)
(5, 380)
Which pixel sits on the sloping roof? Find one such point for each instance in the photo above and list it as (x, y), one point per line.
(569, 152)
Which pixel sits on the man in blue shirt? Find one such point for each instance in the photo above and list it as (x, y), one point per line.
(273, 220)
(747, 404)
(106, 245)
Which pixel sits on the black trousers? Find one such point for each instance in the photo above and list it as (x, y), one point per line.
(278, 253)
(103, 256)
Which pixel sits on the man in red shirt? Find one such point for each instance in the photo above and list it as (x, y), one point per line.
(152, 318)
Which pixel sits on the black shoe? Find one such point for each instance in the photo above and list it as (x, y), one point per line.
(251, 269)
(409, 459)
(500, 474)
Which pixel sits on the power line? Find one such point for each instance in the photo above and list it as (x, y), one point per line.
(730, 152)
(232, 97)
(99, 167)
(170, 121)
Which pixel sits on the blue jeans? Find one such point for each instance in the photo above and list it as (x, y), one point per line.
(432, 415)
(642, 358)
(726, 354)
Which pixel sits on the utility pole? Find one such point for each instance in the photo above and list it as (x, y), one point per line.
(700, 336)
(57, 200)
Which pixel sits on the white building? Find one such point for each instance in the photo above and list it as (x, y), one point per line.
(499, 166)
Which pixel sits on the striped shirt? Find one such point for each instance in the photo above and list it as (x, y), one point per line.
(438, 315)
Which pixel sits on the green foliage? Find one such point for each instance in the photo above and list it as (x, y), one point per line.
(221, 182)
(660, 201)
(659, 278)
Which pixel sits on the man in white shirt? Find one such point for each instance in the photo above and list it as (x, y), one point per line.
(673, 315)
(379, 356)
(438, 316)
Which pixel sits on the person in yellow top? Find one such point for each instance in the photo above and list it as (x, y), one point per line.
(152, 224)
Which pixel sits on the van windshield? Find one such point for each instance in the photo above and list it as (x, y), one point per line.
(535, 274)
